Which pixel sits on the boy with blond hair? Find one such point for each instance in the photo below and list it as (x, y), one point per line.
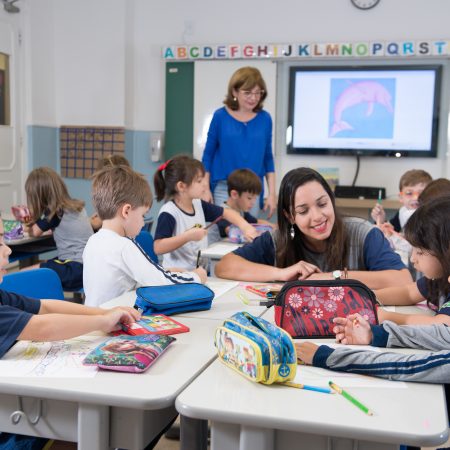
(113, 262)
(411, 185)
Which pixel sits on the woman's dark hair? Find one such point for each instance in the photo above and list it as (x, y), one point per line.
(180, 168)
(436, 188)
(428, 229)
(246, 79)
(290, 251)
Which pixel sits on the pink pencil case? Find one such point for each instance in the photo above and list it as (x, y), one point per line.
(21, 212)
(128, 353)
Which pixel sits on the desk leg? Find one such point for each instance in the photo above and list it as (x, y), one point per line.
(226, 436)
(93, 427)
(253, 438)
(193, 433)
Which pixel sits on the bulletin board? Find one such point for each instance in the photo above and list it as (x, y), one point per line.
(81, 147)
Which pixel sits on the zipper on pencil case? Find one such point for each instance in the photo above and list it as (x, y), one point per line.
(177, 303)
(323, 283)
(330, 283)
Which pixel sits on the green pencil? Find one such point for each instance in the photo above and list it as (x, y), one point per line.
(350, 398)
(380, 196)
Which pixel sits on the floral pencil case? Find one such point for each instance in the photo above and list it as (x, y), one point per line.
(128, 353)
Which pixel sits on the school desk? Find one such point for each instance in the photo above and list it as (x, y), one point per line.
(216, 251)
(113, 409)
(251, 416)
(28, 249)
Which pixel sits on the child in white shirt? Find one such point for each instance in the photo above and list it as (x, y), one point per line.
(180, 231)
(113, 262)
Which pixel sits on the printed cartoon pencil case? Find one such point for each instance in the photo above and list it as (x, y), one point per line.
(256, 349)
(173, 299)
(128, 353)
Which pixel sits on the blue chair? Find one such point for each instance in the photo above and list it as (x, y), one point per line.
(145, 240)
(36, 283)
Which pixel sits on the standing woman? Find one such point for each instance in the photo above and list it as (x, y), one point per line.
(240, 136)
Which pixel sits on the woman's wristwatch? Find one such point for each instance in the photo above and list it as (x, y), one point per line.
(337, 274)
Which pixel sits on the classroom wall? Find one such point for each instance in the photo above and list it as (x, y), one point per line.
(98, 62)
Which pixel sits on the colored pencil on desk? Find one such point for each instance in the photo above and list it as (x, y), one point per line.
(308, 387)
(243, 298)
(350, 398)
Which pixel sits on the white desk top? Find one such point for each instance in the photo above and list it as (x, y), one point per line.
(26, 239)
(415, 415)
(153, 389)
(227, 304)
(219, 249)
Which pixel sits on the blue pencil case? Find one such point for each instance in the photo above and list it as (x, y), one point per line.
(173, 299)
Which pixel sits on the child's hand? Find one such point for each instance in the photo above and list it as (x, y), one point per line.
(250, 233)
(96, 222)
(196, 234)
(298, 271)
(305, 351)
(133, 312)
(114, 317)
(270, 205)
(378, 214)
(352, 330)
(387, 229)
(201, 272)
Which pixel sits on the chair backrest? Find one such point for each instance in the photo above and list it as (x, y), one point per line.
(36, 283)
(145, 240)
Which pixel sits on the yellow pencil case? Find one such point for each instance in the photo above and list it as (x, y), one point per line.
(257, 349)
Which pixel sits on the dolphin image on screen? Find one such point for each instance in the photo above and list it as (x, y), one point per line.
(369, 92)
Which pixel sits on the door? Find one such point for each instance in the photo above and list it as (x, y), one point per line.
(11, 180)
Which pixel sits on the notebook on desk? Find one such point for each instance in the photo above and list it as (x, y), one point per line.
(153, 324)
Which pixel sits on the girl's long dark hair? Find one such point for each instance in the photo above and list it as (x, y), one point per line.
(290, 251)
(428, 229)
(180, 168)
